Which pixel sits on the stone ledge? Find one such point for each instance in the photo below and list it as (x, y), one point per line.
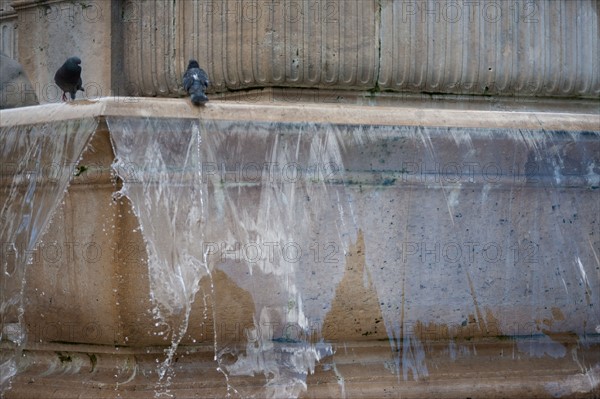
(355, 369)
(315, 113)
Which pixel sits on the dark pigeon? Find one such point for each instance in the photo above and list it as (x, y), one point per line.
(195, 82)
(68, 77)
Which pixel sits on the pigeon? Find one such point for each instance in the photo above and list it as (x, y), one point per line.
(68, 77)
(195, 82)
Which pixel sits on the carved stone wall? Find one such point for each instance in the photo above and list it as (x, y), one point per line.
(48, 32)
(523, 48)
(252, 44)
(8, 29)
(540, 48)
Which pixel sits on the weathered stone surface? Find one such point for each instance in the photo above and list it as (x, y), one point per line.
(8, 30)
(51, 31)
(482, 48)
(449, 236)
(541, 48)
(441, 240)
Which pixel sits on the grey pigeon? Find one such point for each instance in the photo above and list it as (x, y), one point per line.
(68, 77)
(195, 82)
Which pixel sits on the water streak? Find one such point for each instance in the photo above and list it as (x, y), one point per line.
(38, 162)
(444, 240)
(165, 191)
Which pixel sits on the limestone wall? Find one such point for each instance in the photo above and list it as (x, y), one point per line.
(435, 241)
(384, 248)
(131, 47)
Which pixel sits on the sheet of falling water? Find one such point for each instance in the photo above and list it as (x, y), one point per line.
(38, 163)
(438, 233)
(340, 233)
(167, 196)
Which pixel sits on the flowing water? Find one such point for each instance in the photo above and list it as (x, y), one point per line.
(38, 163)
(164, 186)
(329, 233)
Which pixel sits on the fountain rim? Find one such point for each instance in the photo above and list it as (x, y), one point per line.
(299, 113)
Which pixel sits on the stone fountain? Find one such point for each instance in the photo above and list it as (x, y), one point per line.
(359, 211)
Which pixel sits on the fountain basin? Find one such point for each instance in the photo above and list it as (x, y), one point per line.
(384, 250)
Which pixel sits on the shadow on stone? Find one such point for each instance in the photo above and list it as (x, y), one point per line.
(15, 88)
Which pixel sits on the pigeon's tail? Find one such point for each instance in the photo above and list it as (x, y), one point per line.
(198, 97)
(74, 92)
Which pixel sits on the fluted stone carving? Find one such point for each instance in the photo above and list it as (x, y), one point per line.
(541, 48)
(526, 48)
